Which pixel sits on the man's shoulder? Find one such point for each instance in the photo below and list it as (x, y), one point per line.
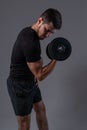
(25, 33)
(25, 30)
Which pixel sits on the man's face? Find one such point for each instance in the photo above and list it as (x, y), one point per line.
(45, 30)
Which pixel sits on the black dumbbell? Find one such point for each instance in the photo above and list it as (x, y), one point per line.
(59, 49)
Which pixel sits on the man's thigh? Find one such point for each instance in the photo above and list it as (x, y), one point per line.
(21, 95)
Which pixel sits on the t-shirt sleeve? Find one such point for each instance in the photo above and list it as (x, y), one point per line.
(31, 50)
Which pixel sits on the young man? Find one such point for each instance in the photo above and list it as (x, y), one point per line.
(27, 68)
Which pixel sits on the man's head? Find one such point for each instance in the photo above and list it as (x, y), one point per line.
(49, 20)
(54, 16)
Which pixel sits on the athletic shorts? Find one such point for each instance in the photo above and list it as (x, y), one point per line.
(23, 95)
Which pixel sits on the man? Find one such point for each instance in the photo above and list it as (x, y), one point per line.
(27, 69)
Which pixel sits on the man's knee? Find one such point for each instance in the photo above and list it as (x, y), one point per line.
(39, 107)
(23, 122)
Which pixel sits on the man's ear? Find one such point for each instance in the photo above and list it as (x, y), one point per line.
(40, 21)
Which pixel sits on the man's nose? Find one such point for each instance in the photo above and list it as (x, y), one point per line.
(48, 34)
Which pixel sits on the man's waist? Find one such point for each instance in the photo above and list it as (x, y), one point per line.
(22, 78)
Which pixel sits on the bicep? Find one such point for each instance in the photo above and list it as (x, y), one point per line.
(35, 67)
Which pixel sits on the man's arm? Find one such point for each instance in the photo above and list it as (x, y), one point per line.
(41, 72)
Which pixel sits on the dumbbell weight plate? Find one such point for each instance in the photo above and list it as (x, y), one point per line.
(59, 49)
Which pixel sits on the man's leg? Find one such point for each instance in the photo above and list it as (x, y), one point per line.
(23, 122)
(41, 118)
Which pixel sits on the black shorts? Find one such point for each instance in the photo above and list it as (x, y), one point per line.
(23, 95)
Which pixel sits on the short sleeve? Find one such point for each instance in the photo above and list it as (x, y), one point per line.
(31, 49)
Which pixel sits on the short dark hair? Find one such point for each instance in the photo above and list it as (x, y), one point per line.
(54, 16)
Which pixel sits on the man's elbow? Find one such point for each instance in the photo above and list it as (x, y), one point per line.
(40, 77)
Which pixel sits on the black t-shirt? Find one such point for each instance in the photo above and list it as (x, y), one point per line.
(26, 49)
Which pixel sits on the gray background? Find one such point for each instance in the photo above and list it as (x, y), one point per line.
(65, 90)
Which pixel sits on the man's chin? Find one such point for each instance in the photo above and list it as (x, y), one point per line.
(42, 38)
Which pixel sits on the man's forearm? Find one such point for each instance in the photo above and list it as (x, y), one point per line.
(46, 70)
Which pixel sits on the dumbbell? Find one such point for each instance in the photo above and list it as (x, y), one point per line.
(59, 49)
